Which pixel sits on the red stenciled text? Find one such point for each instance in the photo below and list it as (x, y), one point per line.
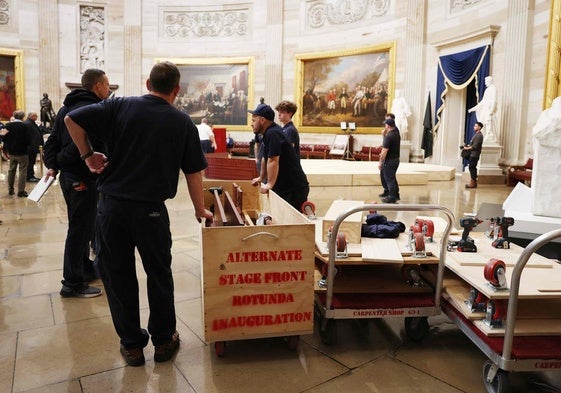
(262, 299)
(265, 256)
(259, 278)
(260, 320)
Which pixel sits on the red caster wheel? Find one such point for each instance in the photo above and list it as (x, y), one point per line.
(419, 242)
(372, 211)
(410, 273)
(220, 348)
(494, 271)
(341, 242)
(427, 225)
(292, 342)
(309, 209)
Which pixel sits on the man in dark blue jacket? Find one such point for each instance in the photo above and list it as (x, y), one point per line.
(78, 186)
(16, 143)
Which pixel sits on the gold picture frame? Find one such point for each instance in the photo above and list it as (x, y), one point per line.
(11, 82)
(219, 89)
(345, 86)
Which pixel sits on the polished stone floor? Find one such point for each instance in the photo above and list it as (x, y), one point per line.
(51, 344)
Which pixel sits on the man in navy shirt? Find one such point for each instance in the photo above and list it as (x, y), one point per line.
(389, 159)
(286, 110)
(280, 165)
(131, 211)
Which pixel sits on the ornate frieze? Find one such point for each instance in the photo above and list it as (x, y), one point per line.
(179, 24)
(323, 13)
(461, 5)
(92, 37)
(4, 12)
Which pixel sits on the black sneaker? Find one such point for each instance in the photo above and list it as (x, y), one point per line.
(33, 180)
(11, 192)
(83, 292)
(388, 200)
(22, 194)
(384, 194)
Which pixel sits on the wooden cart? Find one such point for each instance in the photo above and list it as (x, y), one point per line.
(257, 280)
(375, 288)
(528, 337)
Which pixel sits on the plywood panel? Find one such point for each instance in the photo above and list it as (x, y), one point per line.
(351, 226)
(525, 327)
(381, 250)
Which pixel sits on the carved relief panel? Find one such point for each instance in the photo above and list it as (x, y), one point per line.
(92, 37)
(179, 24)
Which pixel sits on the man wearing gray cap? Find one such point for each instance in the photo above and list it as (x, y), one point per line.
(280, 165)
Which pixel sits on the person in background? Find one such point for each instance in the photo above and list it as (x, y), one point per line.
(389, 160)
(474, 148)
(36, 142)
(16, 143)
(78, 187)
(208, 143)
(385, 193)
(279, 165)
(132, 213)
(286, 110)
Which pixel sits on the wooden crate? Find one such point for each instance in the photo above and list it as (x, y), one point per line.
(351, 226)
(258, 281)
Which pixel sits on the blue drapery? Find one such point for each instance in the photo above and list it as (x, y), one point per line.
(458, 71)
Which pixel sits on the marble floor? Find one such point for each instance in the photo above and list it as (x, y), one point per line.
(51, 344)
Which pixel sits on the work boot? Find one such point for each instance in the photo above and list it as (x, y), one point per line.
(472, 184)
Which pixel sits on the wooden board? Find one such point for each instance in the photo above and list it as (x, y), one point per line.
(531, 281)
(353, 249)
(371, 279)
(351, 226)
(525, 327)
(457, 295)
(258, 281)
(381, 250)
(485, 251)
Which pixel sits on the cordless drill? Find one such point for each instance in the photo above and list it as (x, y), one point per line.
(466, 243)
(503, 223)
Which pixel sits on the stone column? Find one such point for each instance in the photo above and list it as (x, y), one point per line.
(414, 93)
(49, 66)
(273, 52)
(517, 44)
(132, 72)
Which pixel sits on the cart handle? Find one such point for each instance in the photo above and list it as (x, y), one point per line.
(512, 308)
(391, 207)
(260, 234)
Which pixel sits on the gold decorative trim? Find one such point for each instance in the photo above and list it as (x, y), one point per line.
(553, 64)
(17, 56)
(316, 122)
(240, 103)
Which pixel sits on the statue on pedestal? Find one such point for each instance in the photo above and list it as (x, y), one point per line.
(547, 156)
(47, 113)
(402, 111)
(485, 110)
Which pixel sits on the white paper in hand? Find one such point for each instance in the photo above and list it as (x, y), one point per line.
(40, 189)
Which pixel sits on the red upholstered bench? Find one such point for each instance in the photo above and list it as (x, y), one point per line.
(239, 149)
(368, 153)
(305, 150)
(319, 151)
(523, 173)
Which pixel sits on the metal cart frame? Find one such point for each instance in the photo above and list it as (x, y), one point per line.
(416, 326)
(495, 370)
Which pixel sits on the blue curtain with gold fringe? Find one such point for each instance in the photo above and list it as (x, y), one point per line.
(457, 71)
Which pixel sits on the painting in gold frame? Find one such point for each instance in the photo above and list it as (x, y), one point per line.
(11, 82)
(216, 88)
(345, 86)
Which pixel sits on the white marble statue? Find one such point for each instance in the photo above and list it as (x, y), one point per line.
(546, 172)
(485, 111)
(402, 111)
